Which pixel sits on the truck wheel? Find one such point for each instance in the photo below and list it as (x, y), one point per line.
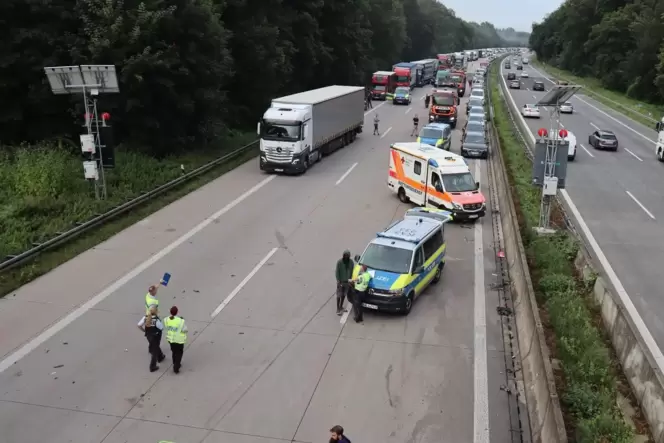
(402, 196)
(305, 162)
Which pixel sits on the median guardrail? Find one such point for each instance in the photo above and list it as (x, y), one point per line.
(641, 359)
(80, 228)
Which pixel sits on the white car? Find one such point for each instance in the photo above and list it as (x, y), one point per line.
(477, 93)
(530, 111)
(571, 150)
(566, 108)
(524, 74)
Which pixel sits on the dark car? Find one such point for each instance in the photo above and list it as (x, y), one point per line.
(475, 144)
(511, 76)
(538, 86)
(519, 67)
(508, 66)
(603, 139)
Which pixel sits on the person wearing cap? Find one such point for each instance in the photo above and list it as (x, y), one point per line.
(343, 273)
(152, 325)
(151, 298)
(176, 336)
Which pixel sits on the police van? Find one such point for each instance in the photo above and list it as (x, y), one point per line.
(426, 176)
(403, 260)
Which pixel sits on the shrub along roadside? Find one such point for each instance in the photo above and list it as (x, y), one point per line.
(636, 110)
(43, 192)
(586, 380)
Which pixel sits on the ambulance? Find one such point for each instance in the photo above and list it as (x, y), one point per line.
(431, 177)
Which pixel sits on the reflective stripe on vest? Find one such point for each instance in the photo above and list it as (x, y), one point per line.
(150, 301)
(363, 282)
(174, 332)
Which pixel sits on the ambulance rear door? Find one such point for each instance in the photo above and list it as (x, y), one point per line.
(410, 173)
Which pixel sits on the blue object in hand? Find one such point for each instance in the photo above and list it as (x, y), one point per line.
(165, 279)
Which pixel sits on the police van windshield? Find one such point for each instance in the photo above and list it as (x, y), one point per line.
(280, 131)
(463, 182)
(431, 133)
(402, 91)
(387, 258)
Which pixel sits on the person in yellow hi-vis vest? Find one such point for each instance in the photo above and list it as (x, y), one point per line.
(361, 284)
(176, 336)
(151, 298)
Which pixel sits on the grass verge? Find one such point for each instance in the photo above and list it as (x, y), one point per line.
(79, 207)
(587, 376)
(644, 113)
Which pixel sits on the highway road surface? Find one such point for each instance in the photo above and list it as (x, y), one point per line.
(619, 194)
(268, 360)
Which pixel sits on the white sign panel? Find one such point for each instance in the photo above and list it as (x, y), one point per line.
(90, 170)
(88, 143)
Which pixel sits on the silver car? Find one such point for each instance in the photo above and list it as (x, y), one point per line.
(478, 117)
(566, 108)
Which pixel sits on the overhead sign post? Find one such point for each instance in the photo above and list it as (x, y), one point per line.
(89, 81)
(550, 163)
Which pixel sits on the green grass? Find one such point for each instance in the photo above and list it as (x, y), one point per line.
(43, 192)
(588, 388)
(642, 112)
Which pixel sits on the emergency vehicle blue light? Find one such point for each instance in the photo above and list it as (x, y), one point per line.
(433, 163)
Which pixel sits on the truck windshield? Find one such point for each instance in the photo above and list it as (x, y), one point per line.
(379, 87)
(456, 78)
(387, 258)
(272, 130)
(403, 78)
(459, 182)
(443, 100)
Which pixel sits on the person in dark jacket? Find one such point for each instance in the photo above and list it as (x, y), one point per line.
(337, 435)
(152, 325)
(343, 274)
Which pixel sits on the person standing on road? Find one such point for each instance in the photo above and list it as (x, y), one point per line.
(343, 274)
(376, 120)
(416, 123)
(176, 336)
(369, 102)
(151, 298)
(152, 326)
(360, 292)
(337, 435)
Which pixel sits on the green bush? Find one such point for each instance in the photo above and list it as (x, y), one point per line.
(589, 393)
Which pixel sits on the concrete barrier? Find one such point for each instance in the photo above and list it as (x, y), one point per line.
(543, 405)
(641, 359)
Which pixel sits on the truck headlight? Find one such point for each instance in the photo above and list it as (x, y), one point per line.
(457, 206)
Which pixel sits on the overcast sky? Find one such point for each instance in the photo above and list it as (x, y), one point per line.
(517, 14)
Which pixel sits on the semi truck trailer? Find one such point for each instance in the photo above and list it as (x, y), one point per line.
(296, 131)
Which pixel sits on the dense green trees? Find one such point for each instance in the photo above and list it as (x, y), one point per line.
(620, 42)
(190, 69)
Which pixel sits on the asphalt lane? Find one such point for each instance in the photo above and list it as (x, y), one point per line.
(617, 193)
(268, 360)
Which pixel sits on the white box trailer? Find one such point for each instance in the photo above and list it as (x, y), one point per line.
(298, 130)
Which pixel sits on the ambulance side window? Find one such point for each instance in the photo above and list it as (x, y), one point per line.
(417, 168)
(435, 182)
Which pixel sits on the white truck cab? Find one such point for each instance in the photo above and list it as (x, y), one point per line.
(659, 147)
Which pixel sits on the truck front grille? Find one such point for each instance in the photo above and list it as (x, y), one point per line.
(279, 155)
(472, 206)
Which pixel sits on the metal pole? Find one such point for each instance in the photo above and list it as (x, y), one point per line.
(98, 141)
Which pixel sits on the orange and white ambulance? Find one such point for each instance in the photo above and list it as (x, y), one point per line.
(421, 174)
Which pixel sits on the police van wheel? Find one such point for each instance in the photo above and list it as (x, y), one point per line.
(408, 305)
(402, 196)
(439, 272)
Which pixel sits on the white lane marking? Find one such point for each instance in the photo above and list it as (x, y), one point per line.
(534, 96)
(385, 133)
(621, 292)
(408, 110)
(242, 284)
(595, 126)
(82, 309)
(587, 151)
(640, 205)
(481, 391)
(561, 124)
(344, 317)
(633, 154)
(374, 108)
(645, 137)
(346, 174)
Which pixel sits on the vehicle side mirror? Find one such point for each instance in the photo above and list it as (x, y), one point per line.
(418, 270)
(439, 187)
(357, 258)
(658, 126)
(477, 184)
(258, 128)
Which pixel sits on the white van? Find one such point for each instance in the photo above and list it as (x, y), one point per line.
(571, 150)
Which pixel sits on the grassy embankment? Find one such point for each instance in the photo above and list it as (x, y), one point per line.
(43, 192)
(587, 375)
(637, 110)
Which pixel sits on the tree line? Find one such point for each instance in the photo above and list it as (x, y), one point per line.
(619, 42)
(191, 69)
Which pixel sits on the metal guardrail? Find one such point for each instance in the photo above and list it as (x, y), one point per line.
(80, 228)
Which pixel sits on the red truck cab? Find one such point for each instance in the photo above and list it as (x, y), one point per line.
(443, 105)
(383, 84)
(459, 78)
